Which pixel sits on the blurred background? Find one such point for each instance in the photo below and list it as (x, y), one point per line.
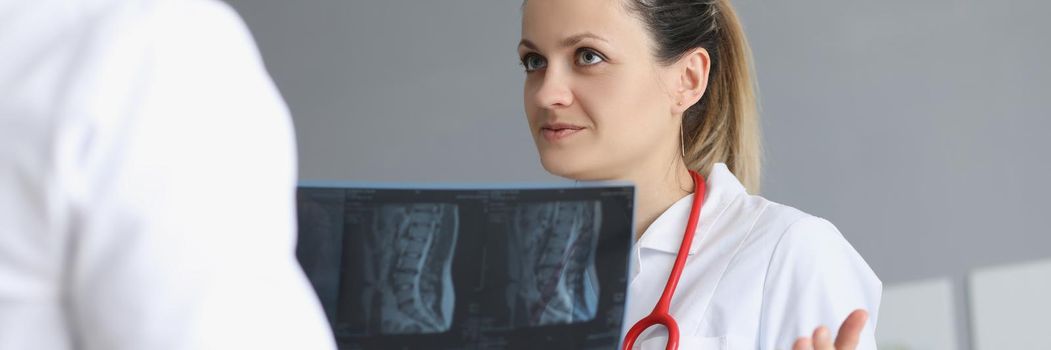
(917, 127)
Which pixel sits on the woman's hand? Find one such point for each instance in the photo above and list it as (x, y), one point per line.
(847, 339)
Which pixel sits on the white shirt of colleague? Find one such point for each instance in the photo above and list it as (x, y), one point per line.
(147, 181)
(758, 276)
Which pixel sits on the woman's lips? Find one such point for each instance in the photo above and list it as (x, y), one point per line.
(553, 135)
(557, 132)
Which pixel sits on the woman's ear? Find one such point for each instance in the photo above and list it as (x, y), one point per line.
(693, 68)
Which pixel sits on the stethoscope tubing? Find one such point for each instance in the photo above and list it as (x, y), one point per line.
(660, 314)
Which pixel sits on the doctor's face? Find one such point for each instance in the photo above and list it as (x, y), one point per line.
(594, 95)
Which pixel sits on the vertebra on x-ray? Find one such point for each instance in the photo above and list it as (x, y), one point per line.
(413, 247)
(553, 278)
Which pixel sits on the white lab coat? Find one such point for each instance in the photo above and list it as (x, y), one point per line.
(147, 175)
(759, 274)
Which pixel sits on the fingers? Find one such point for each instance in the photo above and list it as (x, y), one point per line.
(820, 341)
(823, 339)
(847, 338)
(803, 343)
(850, 331)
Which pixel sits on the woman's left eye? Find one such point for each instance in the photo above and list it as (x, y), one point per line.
(588, 57)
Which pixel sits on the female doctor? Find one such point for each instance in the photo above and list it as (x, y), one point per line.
(648, 90)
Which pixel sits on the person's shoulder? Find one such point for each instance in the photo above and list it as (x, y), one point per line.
(89, 15)
(200, 10)
(809, 262)
(781, 226)
(788, 222)
(120, 25)
(83, 38)
(767, 219)
(802, 239)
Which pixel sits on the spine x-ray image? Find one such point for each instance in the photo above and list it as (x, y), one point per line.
(507, 268)
(409, 285)
(553, 275)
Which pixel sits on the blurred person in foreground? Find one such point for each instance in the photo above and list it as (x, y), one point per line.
(147, 178)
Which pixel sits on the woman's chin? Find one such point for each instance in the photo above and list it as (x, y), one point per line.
(565, 167)
(562, 167)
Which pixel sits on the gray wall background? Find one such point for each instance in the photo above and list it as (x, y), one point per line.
(918, 128)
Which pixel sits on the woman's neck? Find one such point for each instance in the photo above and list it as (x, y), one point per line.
(656, 189)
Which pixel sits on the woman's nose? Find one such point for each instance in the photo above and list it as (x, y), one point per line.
(554, 90)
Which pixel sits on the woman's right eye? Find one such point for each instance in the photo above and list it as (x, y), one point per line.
(532, 62)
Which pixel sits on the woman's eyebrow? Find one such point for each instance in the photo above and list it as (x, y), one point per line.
(567, 42)
(573, 40)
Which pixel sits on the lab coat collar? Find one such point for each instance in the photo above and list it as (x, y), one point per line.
(665, 233)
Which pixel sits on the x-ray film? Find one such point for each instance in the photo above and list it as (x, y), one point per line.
(399, 267)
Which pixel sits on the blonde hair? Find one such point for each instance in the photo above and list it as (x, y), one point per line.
(723, 127)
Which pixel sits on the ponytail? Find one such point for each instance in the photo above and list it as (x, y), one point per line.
(723, 127)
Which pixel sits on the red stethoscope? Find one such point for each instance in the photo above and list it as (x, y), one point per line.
(660, 314)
